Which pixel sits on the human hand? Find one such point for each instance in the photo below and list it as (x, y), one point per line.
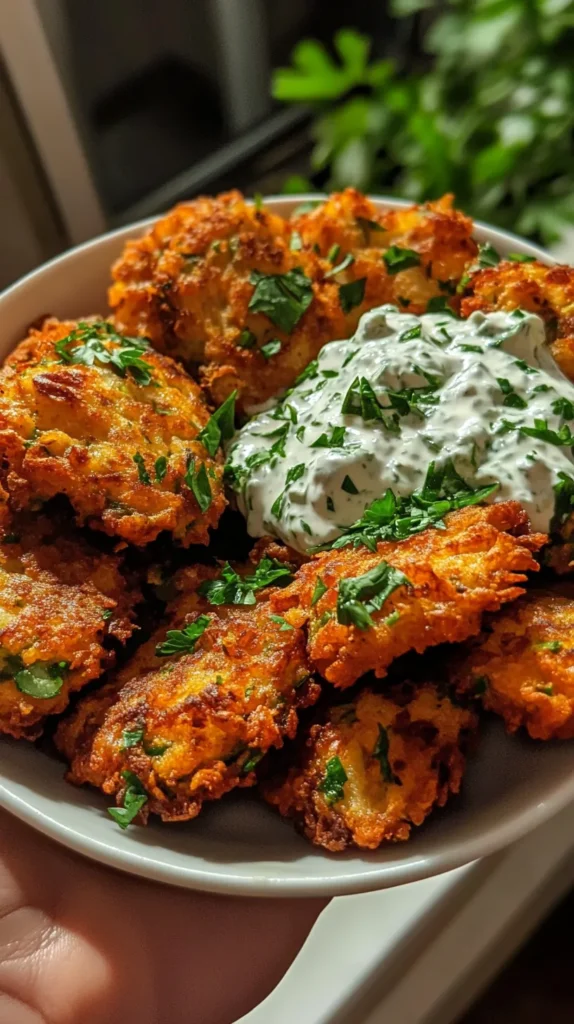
(82, 943)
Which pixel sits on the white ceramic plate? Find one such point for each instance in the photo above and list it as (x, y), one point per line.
(239, 846)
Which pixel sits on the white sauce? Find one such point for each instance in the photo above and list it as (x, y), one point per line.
(471, 423)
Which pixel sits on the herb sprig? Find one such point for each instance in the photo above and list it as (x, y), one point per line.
(231, 588)
(86, 345)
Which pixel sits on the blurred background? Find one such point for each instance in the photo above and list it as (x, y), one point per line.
(112, 111)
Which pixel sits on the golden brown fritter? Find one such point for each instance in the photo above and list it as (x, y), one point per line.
(438, 239)
(191, 726)
(371, 769)
(547, 291)
(363, 609)
(253, 299)
(113, 425)
(522, 665)
(60, 600)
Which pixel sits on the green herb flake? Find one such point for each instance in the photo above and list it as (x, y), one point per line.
(352, 294)
(143, 474)
(41, 679)
(284, 298)
(98, 342)
(553, 646)
(346, 262)
(253, 759)
(511, 397)
(548, 690)
(397, 259)
(381, 752)
(319, 589)
(231, 588)
(160, 467)
(487, 256)
(220, 427)
(333, 253)
(198, 483)
(521, 257)
(361, 595)
(440, 304)
(332, 784)
(295, 242)
(183, 641)
(336, 439)
(270, 348)
(131, 738)
(285, 626)
(563, 407)
(135, 797)
(330, 504)
(349, 486)
(246, 339)
(561, 438)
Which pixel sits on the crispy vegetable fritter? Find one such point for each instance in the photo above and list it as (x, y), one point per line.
(406, 256)
(193, 721)
(364, 608)
(253, 298)
(114, 426)
(522, 666)
(547, 291)
(60, 600)
(371, 769)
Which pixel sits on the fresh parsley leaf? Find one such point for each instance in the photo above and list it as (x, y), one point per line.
(330, 504)
(412, 332)
(361, 595)
(198, 482)
(284, 298)
(142, 471)
(511, 397)
(220, 427)
(335, 440)
(563, 407)
(309, 373)
(361, 400)
(246, 339)
(524, 366)
(319, 589)
(294, 474)
(270, 348)
(183, 641)
(41, 679)
(333, 781)
(285, 626)
(352, 294)
(520, 257)
(346, 262)
(563, 501)
(98, 342)
(160, 467)
(253, 758)
(349, 486)
(487, 256)
(393, 518)
(561, 438)
(231, 588)
(549, 645)
(381, 752)
(397, 259)
(333, 253)
(135, 797)
(131, 738)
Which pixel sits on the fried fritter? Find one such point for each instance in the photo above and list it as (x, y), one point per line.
(522, 666)
(371, 769)
(547, 291)
(191, 725)
(438, 240)
(113, 425)
(60, 601)
(253, 299)
(363, 609)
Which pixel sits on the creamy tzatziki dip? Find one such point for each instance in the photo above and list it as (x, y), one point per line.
(405, 393)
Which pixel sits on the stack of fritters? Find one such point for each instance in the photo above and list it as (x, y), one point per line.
(99, 412)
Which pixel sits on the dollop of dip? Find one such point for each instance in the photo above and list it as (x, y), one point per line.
(406, 392)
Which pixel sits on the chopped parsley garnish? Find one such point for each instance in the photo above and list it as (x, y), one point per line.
(412, 332)
(135, 797)
(397, 259)
(142, 471)
(87, 345)
(563, 407)
(319, 589)
(549, 645)
(361, 400)
(198, 482)
(160, 468)
(520, 257)
(525, 367)
(246, 339)
(511, 397)
(220, 427)
(381, 752)
(281, 622)
(253, 758)
(561, 438)
(183, 641)
(414, 400)
(309, 373)
(131, 738)
(330, 504)
(487, 256)
(394, 518)
(41, 679)
(347, 261)
(367, 226)
(439, 304)
(335, 440)
(294, 474)
(349, 486)
(284, 298)
(352, 294)
(470, 348)
(270, 348)
(333, 781)
(548, 690)
(230, 588)
(333, 253)
(563, 501)
(361, 595)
